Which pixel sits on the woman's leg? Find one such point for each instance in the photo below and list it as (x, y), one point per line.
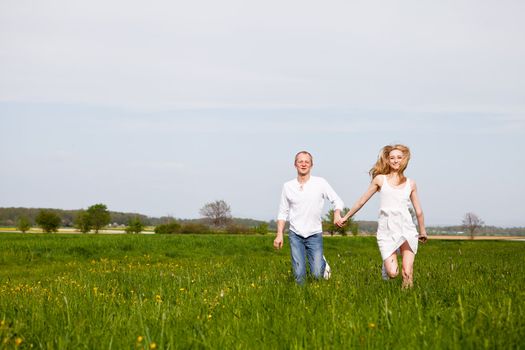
(408, 265)
(391, 267)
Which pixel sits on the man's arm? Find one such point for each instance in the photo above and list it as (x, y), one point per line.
(278, 241)
(284, 208)
(336, 201)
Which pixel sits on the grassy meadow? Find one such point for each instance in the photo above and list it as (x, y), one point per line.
(235, 292)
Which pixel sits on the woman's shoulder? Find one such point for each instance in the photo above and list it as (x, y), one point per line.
(378, 180)
(412, 183)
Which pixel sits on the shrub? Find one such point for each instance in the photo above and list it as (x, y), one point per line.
(135, 226)
(82, 221)
(23, 225)
(238, 229)
(194, 228)
(48, 220)
(170, 228)
(261, 229)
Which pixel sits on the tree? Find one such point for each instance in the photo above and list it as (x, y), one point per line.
(82, 221)
(48, 220)
(217, 212)
(98, 216)
(329, 226)
(471, 222)
(23, 225)
(135, 226)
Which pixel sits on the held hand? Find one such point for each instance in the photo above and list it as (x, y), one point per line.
(337, 217)
(278, 242)
(422, 237)
(341, 222)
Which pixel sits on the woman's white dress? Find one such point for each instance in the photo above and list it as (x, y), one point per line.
(395, 224)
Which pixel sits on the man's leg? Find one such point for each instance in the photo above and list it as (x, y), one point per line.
(297, 250)
(327, 269)
(314, 251)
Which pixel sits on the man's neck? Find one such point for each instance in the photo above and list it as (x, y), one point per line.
(303, 178)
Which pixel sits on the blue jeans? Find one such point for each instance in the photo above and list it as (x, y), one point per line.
(301, 248)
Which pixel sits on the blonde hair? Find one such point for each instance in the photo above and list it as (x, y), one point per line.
(382, 167)
(304, 152)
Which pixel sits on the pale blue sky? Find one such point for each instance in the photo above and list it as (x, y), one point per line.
(160, 108)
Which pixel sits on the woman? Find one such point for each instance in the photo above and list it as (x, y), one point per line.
(396, 231)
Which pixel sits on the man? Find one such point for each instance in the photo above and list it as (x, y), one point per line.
(302, 202)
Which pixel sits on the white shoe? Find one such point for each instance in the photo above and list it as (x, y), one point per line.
(384, 275)
(327, 270)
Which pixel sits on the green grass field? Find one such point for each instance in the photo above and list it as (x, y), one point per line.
(236, 292)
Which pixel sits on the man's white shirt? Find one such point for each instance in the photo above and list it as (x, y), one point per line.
(303, 205)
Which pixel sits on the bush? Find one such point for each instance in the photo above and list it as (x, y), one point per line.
(82, 221)
(261, 229)
(172, 227)
(194, 228)
(48, 220)
(238, 229)
(23, 225)
(135, 226)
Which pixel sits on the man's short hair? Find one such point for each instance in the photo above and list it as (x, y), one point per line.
(304, 152)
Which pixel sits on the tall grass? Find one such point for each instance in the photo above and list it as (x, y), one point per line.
(236, 292)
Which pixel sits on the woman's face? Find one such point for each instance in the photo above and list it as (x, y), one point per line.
(395, 159)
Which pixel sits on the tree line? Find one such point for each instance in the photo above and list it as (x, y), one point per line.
(216, 218)
(9, 216)
(95, 218)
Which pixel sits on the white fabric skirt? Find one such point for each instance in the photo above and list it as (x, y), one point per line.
(393, 230)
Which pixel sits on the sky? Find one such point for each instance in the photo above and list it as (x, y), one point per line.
(162, 107)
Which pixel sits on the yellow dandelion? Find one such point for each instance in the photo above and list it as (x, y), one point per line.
(209, 316)
(371, 325)
(140, 339)
(182, 289)
(18, 341)
(253, 285)
(153, 346)
(158, 298)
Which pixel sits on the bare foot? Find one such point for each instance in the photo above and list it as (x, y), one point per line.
(407, 284)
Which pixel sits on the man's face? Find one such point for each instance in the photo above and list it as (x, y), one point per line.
(303, 164)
